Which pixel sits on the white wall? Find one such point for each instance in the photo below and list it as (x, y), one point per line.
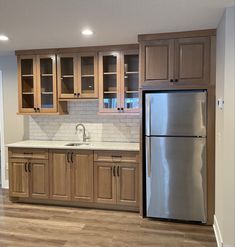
(14, 124)
(225, 135)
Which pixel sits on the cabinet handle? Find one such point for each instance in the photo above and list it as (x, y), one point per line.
(68, 157)
(114, 171)
(118, 171)
(25, 166)
(71, 157)
(29, 167)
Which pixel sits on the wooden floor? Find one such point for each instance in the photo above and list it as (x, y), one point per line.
(45, 226)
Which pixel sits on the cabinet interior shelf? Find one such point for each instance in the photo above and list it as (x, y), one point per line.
(46, 74)
(47, 92)
(67, 76)
(131, 72)
(87, 76)
(29, 75)
(110, 73)
(131, 91)
(106, 92)
(27, 93)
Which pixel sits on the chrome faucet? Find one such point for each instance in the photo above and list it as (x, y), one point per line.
(84, 136)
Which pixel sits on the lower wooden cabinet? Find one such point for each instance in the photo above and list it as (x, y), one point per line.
(71, 175)
(85, 176)
(105, 183)
(18, 178)
(28, 178)
(60, 172)
(116, 183)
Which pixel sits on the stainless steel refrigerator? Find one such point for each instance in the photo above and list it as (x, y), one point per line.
(175, 155)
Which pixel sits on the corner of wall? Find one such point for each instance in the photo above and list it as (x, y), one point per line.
(217, 232)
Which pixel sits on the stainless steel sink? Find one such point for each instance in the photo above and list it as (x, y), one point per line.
(76, 144)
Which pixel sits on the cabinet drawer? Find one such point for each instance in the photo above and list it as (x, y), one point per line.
(25, 153)
(116, 156)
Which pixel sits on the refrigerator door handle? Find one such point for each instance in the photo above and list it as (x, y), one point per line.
(148, 155)
(148, 115)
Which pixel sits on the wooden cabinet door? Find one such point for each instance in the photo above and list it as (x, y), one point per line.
(158, 60)
(59, 170)
(104, 183)
(82, 176)
(192, 60)
(46, 84)
(18, 178)
(27, 84)
(127, 184)
(39, 180)
(109, 82)
(88, 75)
(67, 76)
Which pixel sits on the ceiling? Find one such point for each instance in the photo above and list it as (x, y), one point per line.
(33, 24)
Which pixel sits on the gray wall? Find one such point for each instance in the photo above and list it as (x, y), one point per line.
(14, 125)
(225, 123)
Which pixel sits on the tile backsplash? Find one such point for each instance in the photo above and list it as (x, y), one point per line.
(99, 127)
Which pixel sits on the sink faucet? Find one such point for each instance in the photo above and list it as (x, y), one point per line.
(84, 136)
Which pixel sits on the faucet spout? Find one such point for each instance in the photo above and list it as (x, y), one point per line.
(84, 137)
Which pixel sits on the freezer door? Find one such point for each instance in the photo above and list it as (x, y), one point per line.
(176, 113)
(176, 178)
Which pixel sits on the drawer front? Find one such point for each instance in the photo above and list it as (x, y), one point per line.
(116, 156)
(25, 153)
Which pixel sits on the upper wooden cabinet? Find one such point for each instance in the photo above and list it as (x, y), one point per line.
(177, 58)
(37, 84)
(119, 81)
(77, 75)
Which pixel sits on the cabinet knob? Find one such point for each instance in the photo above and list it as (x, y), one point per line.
(176, 80)
(118, 108)
(75, 94)
(122, 109)
(171, 80)
(78, 94)
(38, 109)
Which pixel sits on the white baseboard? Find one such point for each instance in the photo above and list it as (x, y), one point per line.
(217, 231)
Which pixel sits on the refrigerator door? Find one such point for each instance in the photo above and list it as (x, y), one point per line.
(176, 178)
(176, 113)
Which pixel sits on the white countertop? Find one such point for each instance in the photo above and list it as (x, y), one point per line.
(62, 145)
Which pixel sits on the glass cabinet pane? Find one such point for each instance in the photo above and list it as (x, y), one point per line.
(87, 75)
(27, 83)
(131, 81)
(46, 82)
(67, 75)
(110, 81)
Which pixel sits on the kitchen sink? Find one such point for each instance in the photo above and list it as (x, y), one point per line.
(76, 144)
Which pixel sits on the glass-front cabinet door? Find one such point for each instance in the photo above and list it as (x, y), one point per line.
(27, 84)
(87, 75)
(130, 81)
(109, 81)
(47, 92)
(67, 76)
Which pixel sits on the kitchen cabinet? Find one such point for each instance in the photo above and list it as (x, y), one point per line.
(77, 75)
(82, 175)
(119, 82)
(37, 85)
(28, 176)
(60, 172)
(71, 175)
(177, 58)
(116, 181)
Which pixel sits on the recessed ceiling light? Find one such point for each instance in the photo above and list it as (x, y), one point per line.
(87, 32)
(3, 38)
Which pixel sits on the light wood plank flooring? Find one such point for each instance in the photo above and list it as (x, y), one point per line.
(46, 226)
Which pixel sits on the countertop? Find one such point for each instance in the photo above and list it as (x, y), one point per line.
(119, 146)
